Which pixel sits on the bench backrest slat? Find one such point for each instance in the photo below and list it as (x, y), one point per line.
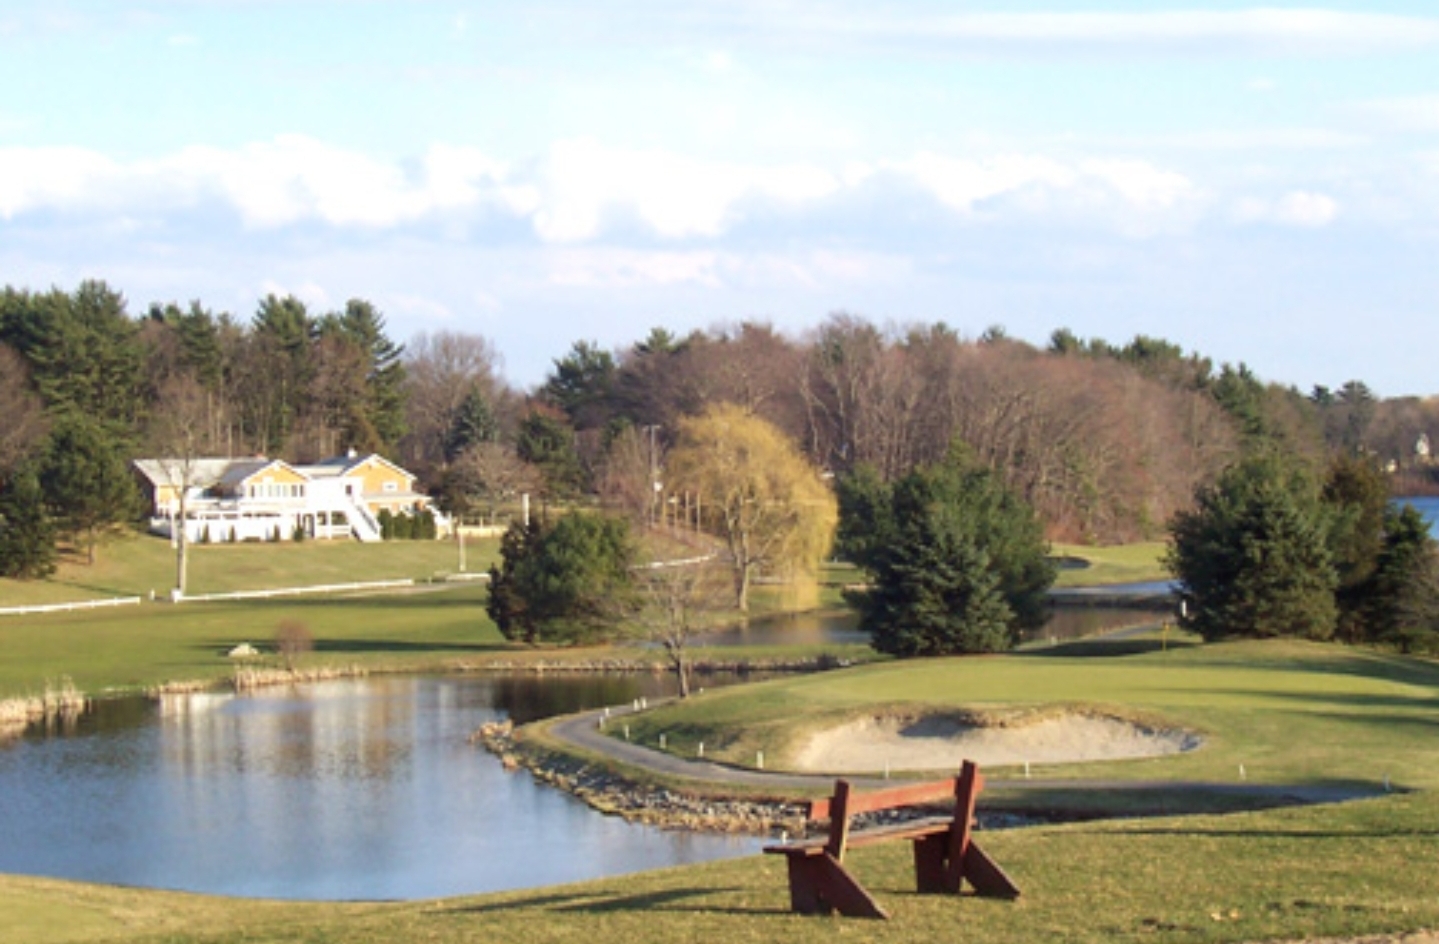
(912, 794)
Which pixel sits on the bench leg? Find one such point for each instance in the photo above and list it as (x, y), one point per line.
(986, 876)
(935, 874)
(820, 884)
(931, 855)
(804, 881)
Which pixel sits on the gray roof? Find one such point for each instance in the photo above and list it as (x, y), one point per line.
(175, 472)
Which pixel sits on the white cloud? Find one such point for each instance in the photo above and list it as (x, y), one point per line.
(677, 196)
(1142, 185)
(709, 269)
(1412, 113)
(1297, 208)
(1252, 139)
(293, 178)
(623, 268)
(1297, 31)
(1132, 195)
(582, 191)
(58, 178)
(312, 294)
(289, 179)
(962, 184)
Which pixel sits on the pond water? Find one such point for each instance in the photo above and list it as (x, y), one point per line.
(350, 790)
(343, 790)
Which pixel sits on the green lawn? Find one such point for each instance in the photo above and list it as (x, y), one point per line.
(1097, 566)
(1289, 712)
(134, 647)
(135, 564)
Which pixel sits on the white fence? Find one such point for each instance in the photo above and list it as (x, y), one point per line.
(62, 607)
(293, 591)
(238, 595)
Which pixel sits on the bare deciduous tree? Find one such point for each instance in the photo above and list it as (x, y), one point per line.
(179, 437)
(489, 473)
(441, 369)
(292, 640)
(679, 597)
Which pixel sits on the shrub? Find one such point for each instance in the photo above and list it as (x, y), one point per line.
(292, 640)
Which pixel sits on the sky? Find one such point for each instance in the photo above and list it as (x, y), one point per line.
(1259, 184)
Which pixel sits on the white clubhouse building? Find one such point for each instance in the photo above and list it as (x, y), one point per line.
(260, 499)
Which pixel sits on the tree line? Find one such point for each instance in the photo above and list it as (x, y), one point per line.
(1104, 442)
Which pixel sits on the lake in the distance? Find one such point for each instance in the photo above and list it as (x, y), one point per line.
(1428, 507)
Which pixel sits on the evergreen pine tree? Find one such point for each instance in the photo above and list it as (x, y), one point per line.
(474, 423)
(27, 534)
(1254, 556)
(957, 562)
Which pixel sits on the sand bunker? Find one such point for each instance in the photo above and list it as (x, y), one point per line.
(890, 743)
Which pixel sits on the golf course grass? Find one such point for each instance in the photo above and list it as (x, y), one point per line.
(1287, 712)
(1086, 566)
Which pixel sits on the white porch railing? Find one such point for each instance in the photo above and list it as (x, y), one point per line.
(367, 530)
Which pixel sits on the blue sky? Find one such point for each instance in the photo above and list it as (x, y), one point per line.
(1256, 183)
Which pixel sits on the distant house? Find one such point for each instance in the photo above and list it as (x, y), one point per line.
(269, 499)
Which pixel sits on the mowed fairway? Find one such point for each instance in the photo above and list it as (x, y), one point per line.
(1288, 712)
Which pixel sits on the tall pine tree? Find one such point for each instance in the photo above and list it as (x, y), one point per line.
(27, 533)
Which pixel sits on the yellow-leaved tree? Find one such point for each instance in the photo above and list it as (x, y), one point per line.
(756, 492)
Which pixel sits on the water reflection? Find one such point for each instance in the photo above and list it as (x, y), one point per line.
(334, 791)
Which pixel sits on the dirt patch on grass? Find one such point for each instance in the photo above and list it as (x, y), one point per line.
(942, 741)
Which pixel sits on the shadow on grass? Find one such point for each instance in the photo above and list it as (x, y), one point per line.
(671, 900)
(1108, 800)
(1410, 705)
(448, 598)
(395, 646)
(1104, 648)
(1322, 834)
(104, 591)
(1339, 660)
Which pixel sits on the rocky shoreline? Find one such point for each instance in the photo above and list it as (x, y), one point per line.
(612, 794)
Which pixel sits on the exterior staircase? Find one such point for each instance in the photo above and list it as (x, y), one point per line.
(363, 525)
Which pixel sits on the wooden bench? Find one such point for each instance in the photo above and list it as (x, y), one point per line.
(945, 853)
